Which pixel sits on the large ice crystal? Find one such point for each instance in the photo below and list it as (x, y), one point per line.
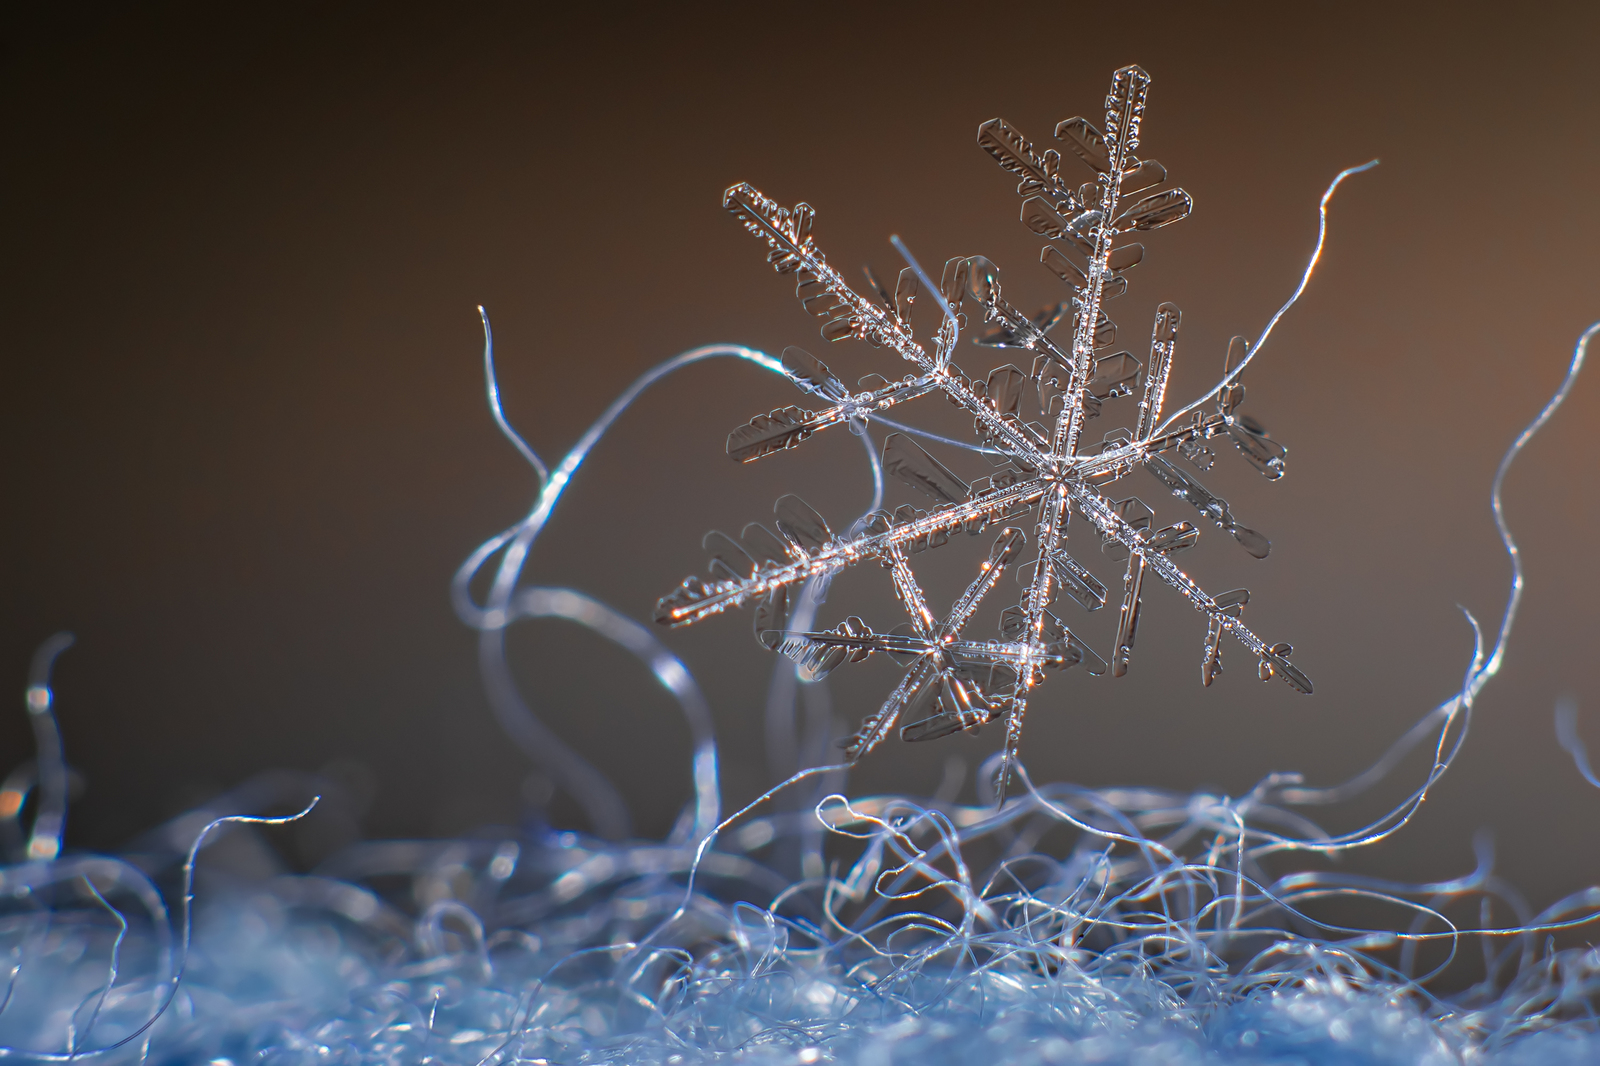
(1033, 423)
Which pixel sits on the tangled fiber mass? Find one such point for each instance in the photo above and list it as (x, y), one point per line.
(1068, 925)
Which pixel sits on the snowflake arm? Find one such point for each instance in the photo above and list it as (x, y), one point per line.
(845, 313)
(696, 599)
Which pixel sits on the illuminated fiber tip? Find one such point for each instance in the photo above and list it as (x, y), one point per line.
(1031, 421)
(49, 776)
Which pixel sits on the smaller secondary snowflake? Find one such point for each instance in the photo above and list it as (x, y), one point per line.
(955, 681)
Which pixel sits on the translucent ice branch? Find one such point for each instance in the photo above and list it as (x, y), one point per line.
(848, 315)
(783, 689)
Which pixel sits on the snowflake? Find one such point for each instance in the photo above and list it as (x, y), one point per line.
(1048, 472)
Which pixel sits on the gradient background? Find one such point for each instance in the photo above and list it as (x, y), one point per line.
(246, 444)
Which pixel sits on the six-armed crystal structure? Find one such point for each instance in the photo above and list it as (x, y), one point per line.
(1031, 423)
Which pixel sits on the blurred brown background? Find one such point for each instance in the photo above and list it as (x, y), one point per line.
(246, 443)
